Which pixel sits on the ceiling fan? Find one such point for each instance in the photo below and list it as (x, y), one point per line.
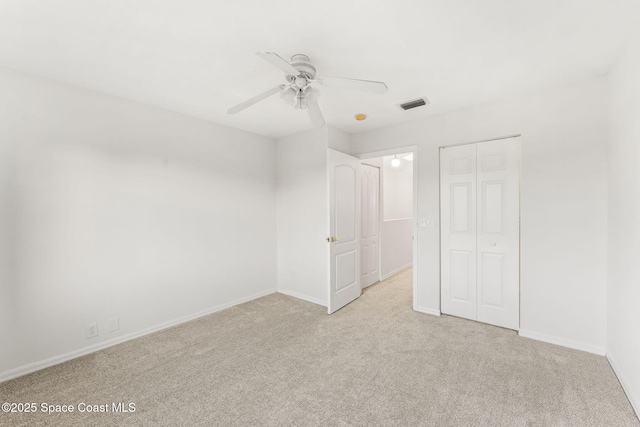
(299, 90)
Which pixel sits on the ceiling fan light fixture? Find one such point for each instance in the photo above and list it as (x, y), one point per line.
(301, 82)
(361, 117)
(298, 93)
(289, 96)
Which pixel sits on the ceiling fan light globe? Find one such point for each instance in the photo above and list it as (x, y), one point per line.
(304, 103)
(289, 96)
(301, 82)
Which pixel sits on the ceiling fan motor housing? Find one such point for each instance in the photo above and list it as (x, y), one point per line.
(301, 63)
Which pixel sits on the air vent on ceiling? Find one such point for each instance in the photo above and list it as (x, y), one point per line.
(415, 103)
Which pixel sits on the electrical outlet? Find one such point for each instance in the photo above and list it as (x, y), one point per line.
(91, 330)
(114, 324)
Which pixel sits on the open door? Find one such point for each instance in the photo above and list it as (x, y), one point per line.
(344, 218)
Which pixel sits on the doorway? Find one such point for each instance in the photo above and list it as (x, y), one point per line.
(396, 194)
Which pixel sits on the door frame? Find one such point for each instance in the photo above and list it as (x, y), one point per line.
(390, 152)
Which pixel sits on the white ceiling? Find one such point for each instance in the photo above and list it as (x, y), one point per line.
(197, 56)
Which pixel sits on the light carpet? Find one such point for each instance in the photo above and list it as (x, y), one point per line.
(279, 361)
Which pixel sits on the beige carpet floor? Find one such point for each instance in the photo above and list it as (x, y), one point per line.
(279, 361)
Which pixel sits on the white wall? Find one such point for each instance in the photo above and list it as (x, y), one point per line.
(303, 211)
(302, 215)
(396, 246)
(564, 191)
(398, 189)
(623, 297)
(116, 209)
(338, 139)
(6, 240)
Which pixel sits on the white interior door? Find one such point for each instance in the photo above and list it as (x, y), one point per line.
(370, 225)
(344, 221)
(458, 231)
(480, 210)
(498, 192)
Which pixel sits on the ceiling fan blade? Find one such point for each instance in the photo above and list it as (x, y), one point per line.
(317, 120)
(249, 102)
(363, 85)
(276, 60)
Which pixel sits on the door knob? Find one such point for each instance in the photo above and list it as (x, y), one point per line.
(332, 239)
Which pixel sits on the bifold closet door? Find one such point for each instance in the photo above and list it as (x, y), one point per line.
(480, 211)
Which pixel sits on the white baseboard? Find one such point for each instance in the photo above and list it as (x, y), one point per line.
(589, 348)
(633, 399)
(426, 310)
(56, 360)
(396, 271)
(302, 297)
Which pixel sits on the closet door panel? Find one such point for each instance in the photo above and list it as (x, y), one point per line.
(498, 210)
(458, 231)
